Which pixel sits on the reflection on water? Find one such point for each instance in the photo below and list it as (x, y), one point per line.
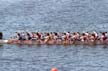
(73, 57)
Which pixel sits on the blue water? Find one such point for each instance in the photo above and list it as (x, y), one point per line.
(53, 16)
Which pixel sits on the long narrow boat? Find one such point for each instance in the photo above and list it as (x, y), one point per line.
(51, 42)
(11, 41)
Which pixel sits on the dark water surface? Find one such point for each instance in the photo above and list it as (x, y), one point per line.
(58, 16)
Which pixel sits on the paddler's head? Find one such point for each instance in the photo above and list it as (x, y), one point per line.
(1, 35)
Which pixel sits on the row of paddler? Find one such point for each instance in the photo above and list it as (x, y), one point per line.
(54, 37)
(63, 36)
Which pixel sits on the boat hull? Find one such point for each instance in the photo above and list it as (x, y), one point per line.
(54, 42)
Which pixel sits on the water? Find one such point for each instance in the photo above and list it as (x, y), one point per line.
(53, 16)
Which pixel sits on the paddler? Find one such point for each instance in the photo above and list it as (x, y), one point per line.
(49, 38)
(104, 36)
(29, 37)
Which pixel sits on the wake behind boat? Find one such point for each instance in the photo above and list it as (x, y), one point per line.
(55, 38)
